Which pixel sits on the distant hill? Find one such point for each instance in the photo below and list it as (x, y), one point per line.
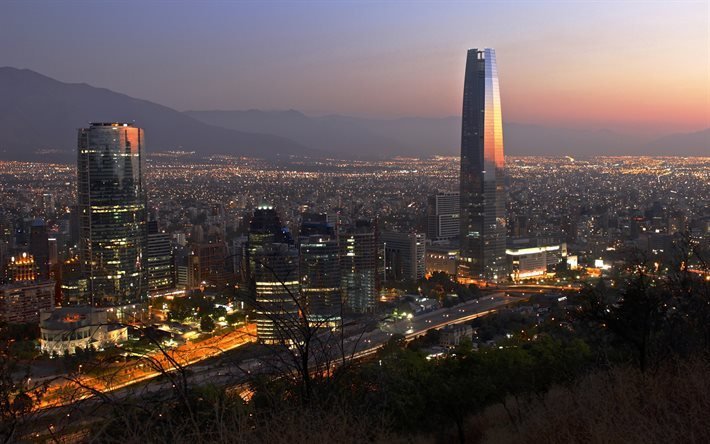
(417, 136)
(39, 117)
(343, 136)
(685, 144)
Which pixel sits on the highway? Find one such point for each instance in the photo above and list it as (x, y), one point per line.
(356, 346)
(419, 325)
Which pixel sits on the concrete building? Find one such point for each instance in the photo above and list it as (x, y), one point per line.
(22, 302)
(443, 216)
(66, 329)
(531, 257)
(441, 258)
(452, 335)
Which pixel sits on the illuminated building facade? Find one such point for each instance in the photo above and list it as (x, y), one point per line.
(441, 258)
(161, 263)
(273, 271)
(320, 277)
(358, 262)
(443, 210)
(112, 213)
(22, 268)
(530, 257)
(482, 186)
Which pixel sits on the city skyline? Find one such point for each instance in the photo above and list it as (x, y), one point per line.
(402, 67)
(267, 276)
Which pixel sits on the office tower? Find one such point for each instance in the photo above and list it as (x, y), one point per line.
(112, 213)
(404, 255)
(358, 265)
(443, 211)
(211, 259)
(483, 226)
(273, 270)
(161, 263)
(39, 247)
(319, 267)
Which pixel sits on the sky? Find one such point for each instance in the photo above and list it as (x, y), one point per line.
(639, 67)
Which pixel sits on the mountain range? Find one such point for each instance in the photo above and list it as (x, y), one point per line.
(39, 117)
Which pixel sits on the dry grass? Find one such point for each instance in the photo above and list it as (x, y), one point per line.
(670, 405)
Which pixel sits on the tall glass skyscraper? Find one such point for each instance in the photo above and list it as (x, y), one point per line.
(483, 227)
(112, 213)
(273, 271)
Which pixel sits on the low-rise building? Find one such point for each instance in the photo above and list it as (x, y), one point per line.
(452, 335)
(530, 257)
(67, 329)
(441, 258)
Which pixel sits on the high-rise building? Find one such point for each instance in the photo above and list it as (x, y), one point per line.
(273, 270)
(358, 265)
(404, 255)
(483, 225)
(443, 212)
(161, 263)
(319, 267)
(112, 213)
(211, 259)
(39, 247)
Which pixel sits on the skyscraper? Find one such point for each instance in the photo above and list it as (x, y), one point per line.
(483, 226)
(39, 247)
(112, 213)
(160, 260)
(273, 270)
(319, 267)
(358, 264)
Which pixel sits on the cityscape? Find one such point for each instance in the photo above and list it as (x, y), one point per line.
(279, 292)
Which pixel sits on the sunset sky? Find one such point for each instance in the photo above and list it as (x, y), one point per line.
(633, 66)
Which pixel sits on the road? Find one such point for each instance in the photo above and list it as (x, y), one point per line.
(419, 325)
(354, 347)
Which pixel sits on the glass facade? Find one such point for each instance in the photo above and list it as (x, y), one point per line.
(483, 225)
(112, 213)
(320, 278)
(273, 271)
(358, 265)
